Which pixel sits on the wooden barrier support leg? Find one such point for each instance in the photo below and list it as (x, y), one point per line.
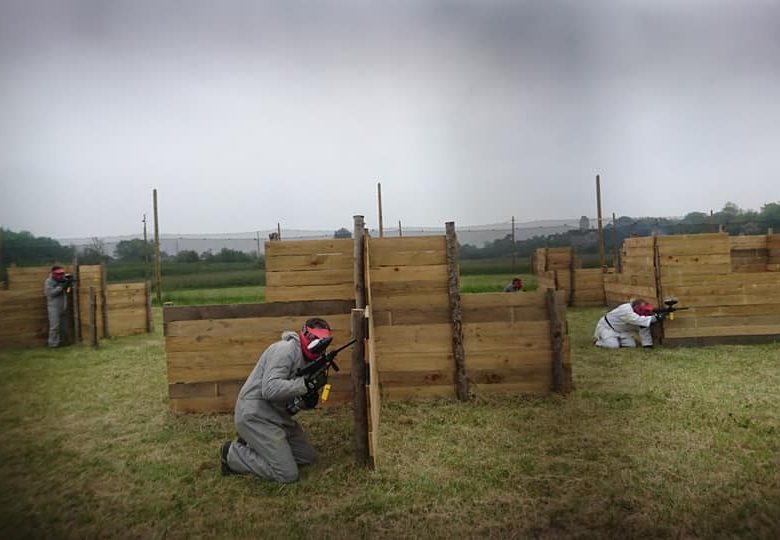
(556, 337)
(93, 334)
(148, 297)
(458, 352)
(359, 399)
(104, 299)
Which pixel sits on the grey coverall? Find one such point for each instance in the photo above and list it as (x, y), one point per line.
(275, 443)
(56, 304)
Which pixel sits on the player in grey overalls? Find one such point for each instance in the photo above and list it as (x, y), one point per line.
(271, 444)
(55, 288)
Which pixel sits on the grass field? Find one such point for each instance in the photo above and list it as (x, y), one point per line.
(652, 443)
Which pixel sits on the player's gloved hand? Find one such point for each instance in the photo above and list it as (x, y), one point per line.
(311, 399)
(316, 380)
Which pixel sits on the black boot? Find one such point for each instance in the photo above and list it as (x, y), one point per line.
(223, 463)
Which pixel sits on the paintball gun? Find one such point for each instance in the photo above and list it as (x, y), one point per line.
(668, 311)
(320, 365)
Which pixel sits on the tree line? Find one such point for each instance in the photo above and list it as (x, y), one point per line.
(23, 248)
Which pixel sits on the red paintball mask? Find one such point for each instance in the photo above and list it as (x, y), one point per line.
(644, 310)
(314, 341)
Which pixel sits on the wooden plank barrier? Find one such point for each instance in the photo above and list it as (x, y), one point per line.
(210, 350)
(127, 308)
(726, 306)
(309, 270)
(506, 337)
(23, 318)
(561, 269)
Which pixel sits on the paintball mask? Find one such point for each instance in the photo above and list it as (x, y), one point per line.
(644, 310)
(314, 341)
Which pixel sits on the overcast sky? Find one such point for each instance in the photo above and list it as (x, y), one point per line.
(243, 114)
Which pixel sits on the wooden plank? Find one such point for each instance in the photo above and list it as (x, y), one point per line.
(382, 274)
(382, 258)
(310, 293)
(308, 247)
(309, 277)
(711, 331)
(748, 242)
(393, 393)
(378, 246)
(410, 301)
(252, 326)
(706, 321)
(273, 309)
(721, 340)
(309, 261)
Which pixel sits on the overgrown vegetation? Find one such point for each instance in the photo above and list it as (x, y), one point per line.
(660, 443)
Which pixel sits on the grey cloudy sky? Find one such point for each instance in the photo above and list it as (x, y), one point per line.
(243, 114)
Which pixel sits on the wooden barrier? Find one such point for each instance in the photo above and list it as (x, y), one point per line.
(124, 308)
(128, 308)
(725, 306)
(23, 319)
(309, 270)
(507, 338)
(561, 269)
(210, 350)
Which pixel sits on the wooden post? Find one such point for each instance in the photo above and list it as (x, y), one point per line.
(278, 231)
(600, 222)
(572, 279)
(616, 257)
(2, 265)
(146, 253)
(461, 381)
(104, 299)
(658, 329)
(359, 397)
(148, 298)
(157, 265)
(359, 262)
(93, 334)
(556, 341)
(75, 307)
(514, 253)
(379, 203)
(258, 247)
(400, 231)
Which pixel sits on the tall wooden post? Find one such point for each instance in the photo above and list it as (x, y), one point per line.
(400, 231)
(258, 246)
(93, 334)
(556, 341)
(359, 397)
(379, 204)
(514, 246)
(146, 252)
(148, 306)
(359, 262)
(75, 307)
(278, 231)
(157, 265)
(615, 243)
(600, 222)
(461, 381)
(104, 299)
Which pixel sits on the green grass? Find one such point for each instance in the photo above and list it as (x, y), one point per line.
(220, 295)
(652, 443)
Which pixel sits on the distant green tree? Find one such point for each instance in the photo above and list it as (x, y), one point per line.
(342, 233)
(133, 250)
(24, 248)
(227, 255)
(187, 256)
(771, 211)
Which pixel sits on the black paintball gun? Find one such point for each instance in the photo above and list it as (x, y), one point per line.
(320, 366)
(668, 311)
